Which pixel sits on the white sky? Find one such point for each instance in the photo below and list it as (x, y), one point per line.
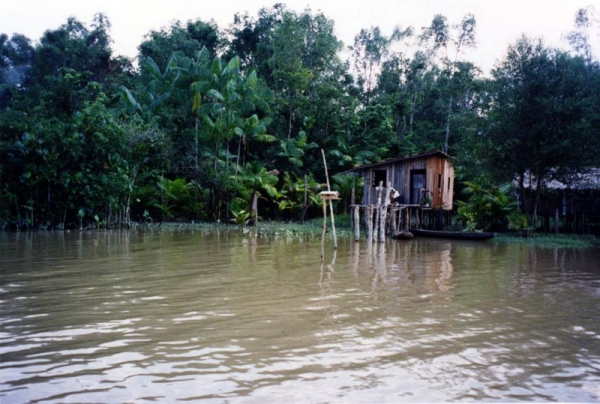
(499, 22)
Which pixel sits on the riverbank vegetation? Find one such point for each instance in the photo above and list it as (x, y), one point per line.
(549, 240)
(313, 230)
(227, 124)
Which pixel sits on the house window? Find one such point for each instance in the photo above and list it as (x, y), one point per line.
(379, 176)
(439, 181)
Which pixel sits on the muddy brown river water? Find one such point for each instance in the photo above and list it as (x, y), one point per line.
(211, 316)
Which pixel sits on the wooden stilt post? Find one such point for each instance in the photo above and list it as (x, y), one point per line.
(382, 218)
(356, 216)
(353, 196)
(369, 222)
(333, 224)
(376, 231)
(383, 214)
(324, 214)
(329, 195)
(324, 228)
(376, 223)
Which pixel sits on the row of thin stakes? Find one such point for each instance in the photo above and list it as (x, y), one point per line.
(376, 216)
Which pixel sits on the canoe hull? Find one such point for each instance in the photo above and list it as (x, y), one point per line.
(455, 235)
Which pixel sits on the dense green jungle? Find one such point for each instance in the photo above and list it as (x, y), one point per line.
(227, 124)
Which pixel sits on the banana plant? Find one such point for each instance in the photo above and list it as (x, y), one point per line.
(256, 179)
(159, 87)
(251, 130)
(348, 156)
(225, 102)
(241, 218)
(344, 185)
(175, 195)
(298, 193)
(294, 149)
(486, 206)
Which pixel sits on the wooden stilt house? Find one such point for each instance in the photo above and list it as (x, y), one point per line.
(425, 180)
(570, 204)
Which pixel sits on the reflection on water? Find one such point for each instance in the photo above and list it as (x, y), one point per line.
(182, 316)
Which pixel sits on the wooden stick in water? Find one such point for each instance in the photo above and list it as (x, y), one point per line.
(356, 215)
(330, 202)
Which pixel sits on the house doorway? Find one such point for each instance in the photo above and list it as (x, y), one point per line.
(417, 183)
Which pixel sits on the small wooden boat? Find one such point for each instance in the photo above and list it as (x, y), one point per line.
(456, 235)
(403, 235)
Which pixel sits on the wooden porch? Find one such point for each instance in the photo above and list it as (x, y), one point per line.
(384, 218)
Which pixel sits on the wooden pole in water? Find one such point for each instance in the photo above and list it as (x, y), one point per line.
(356, 215)
(304, 207)
(353, 197)
(376, 231)
(324, 230)
(383, 214)
(330, 202)
(382, 217)
(376, 223)
(369, 222)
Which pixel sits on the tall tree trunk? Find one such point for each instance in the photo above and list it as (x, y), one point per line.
(48, 201)
(237, 169)
(524, 204)
(538, 192)
(413, 100)
(448, 117)
(196, 158)
(216, 155)
(290, 123)
(400, 128)
(254, 207)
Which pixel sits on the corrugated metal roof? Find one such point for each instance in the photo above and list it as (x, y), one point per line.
(398, 159)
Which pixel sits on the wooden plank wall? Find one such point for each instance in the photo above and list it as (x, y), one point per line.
(439, 173)
(440, 181)
(449, 186)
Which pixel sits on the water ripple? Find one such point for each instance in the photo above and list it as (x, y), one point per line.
(186, 317)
